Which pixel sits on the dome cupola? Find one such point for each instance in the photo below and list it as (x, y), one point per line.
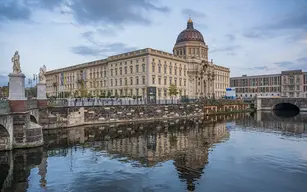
(190, 34)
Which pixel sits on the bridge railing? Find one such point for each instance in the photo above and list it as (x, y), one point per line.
(32, 104)
(4, 107)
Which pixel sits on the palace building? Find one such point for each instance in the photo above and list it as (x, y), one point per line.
(132, 73)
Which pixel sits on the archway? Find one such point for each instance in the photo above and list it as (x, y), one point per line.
(33, 119)
(286, 110)
(4, 138)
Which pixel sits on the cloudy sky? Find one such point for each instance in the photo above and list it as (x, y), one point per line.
(248, 36)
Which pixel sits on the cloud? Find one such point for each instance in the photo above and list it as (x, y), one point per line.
(86, 12)
(115, 11)
(45, 4)
(103, 50)
(87, 50)
(230, 37)
(295, 22)
(193, 13)
(299, 63)
(10, 10)
(226, 49)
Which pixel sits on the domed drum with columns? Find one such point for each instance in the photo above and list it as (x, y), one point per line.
(190, 45)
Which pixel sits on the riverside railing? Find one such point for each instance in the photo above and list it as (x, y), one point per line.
(78, 102)
(108, 102)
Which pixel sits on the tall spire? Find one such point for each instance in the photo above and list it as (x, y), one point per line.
(190, 24)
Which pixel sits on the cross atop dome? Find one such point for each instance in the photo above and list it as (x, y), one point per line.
(190, 24)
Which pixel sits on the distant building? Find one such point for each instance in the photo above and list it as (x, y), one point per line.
(291, 83)
(130, 74)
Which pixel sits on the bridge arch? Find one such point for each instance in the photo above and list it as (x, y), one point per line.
(4, 138)
(286, 109)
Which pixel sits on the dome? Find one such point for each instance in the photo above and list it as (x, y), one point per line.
(190, 34)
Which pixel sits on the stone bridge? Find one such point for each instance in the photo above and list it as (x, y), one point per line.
(19, 126)
(280, 103)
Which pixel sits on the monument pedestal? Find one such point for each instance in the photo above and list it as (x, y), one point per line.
(41, 95)
(41, 91)
(17, 99)
(17, 86)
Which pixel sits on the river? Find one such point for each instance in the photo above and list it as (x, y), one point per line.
(261, 152)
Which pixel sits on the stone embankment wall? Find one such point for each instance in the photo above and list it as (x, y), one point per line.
(59, 117)
(26, 133)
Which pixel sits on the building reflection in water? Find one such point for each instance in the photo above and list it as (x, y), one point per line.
(185, 142)
(269, 121)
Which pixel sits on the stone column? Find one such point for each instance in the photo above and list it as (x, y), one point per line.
(17, 99)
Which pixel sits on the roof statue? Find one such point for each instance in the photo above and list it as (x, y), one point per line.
(42, 74)
(16, 63)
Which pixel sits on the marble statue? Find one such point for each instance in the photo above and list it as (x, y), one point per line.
(16, 63)
(42, 76)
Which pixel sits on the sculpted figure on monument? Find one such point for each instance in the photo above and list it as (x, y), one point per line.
(16, 63)
(42, 76)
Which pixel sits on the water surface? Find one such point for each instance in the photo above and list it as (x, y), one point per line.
(259, 152)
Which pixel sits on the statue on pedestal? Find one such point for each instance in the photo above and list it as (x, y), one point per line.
(42, 76)
(16, 63)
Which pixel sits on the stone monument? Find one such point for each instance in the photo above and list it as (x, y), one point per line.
(41, 86)
(17, 85)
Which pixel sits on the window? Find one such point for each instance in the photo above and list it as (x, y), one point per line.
(170, 80)
(137, 80)
(115, 71)
(137, 68)
(111, 82)
(159, 80)
(115, 82)
(120, 82)
(159, 68)
(153, 79)
(126, 81)
(165, 81)
(131, 69)
(131, 81)
(143, 80)
(170, 70)
(165, 69)
(125, 69)
(143, 67)
(120, 71)
(153, 67)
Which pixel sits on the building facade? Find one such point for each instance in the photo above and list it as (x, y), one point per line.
(130, 74)
(291, 83)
